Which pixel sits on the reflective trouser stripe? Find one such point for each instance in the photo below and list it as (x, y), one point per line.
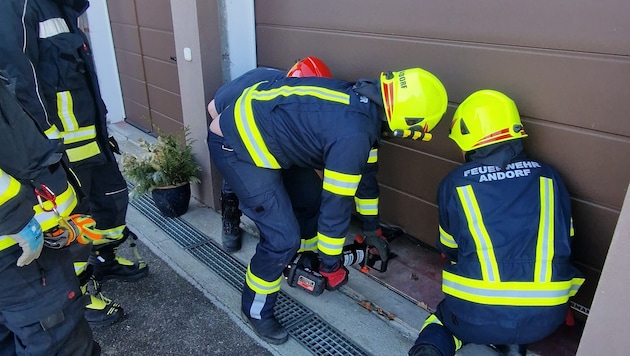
(432, 319)
(373, 157)
(341, 183)
(332, 246)
(108, 235)
(259, 285)
(308, 244)
(367, 207)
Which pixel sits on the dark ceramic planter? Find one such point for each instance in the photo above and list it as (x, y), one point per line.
(172, 201)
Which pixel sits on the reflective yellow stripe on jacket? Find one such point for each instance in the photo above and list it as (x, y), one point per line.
(541, 291)
(483, 244)
(9, 188)
(246, 125)
(73, 133)
(446, 239)
(66, 202)
(510, 293)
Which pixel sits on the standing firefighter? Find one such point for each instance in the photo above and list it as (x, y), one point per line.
(366, 198)
(305, 124)
(230, 213)
(505, 225)
(41, 303)
(50, 60)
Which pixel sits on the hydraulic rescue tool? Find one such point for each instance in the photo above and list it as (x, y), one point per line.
(303, 270)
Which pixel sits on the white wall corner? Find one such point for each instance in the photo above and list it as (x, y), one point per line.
(102, 42)
(239, 30)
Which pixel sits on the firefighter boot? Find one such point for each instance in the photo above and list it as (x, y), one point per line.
(100, 311)
(231, 219)
(269, 329)
(424, 350)
(511, 350)
(107, 265)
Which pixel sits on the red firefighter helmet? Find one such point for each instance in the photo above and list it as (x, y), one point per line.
(309, 67)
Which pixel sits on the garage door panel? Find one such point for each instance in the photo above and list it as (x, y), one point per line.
(134, 90)
(155, 14)
(543, 83)
(130, 64)
(120, 12)
(166, 103)
(137, 114)
(594, 226)
(579, 158)
(126, 37)
(575, 25)
(419, 218)
(586, 293)
(552, 94)
(583, 160)
(157, 44)
(165, 124)
(411, 172)
(162, 74)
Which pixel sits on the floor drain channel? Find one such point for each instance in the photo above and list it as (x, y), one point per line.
(302, 324)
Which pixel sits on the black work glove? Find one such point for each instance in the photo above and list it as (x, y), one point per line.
(113, 144)
(376, 240)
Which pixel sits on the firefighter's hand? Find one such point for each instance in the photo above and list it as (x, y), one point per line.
(337, 277)
(376, 240)
(413, 134)
(31, 240)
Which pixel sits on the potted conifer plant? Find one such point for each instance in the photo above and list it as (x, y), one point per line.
(165, 170)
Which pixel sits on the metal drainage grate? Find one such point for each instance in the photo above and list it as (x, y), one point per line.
(308, 328)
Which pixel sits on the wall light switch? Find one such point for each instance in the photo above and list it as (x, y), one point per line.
(187, 54)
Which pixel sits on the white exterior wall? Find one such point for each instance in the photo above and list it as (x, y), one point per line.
(239, 31)
(100, 34)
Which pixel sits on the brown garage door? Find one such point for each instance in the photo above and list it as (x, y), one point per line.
(571, 86)
(145, 52)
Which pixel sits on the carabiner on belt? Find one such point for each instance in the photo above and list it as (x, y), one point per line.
(45, 194)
